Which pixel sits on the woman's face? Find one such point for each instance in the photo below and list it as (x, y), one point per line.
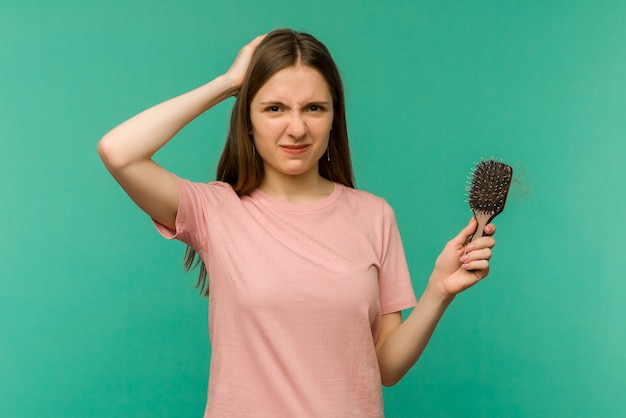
(292, 115)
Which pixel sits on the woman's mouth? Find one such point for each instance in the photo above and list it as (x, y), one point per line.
(295, 149)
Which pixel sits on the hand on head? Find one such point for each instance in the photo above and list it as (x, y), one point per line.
(237, 71)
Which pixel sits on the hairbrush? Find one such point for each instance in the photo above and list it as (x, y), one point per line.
(487, 190)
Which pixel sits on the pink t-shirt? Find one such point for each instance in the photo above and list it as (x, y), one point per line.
(296, 295)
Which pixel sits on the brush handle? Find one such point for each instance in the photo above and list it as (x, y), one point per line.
(483, 219)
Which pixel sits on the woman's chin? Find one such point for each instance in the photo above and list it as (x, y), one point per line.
(296, 169)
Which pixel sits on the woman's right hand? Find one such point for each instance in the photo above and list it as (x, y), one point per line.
(237, 71)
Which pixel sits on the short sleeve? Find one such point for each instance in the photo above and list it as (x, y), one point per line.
(198, 203)
(395, 286)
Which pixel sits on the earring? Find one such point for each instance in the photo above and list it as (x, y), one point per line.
(253, 152)
(328, 154)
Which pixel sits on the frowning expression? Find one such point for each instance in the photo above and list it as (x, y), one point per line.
(292, 115)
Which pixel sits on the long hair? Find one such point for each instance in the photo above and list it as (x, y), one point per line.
(239, 165)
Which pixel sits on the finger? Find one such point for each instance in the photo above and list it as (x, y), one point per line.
(256, 41)
(249, 48)
(482, 242)
(490, 229)
(481, 254)
(480, 267)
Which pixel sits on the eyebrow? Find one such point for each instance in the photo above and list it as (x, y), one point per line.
(276, 102)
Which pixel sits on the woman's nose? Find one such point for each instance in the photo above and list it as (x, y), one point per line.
(296, 127)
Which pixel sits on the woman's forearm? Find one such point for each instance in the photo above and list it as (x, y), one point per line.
(141, 136)
(458, 267)
(405, 345)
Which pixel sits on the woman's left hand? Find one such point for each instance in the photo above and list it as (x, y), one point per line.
(461, 264)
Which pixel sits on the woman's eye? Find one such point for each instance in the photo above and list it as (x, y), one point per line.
(315, 108)
(272, 109)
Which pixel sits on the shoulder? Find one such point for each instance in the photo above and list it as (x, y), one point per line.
(369, 204)
(209, 195)
(212, 187)
(365, 198)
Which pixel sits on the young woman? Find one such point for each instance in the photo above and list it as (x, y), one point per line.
(307, 276)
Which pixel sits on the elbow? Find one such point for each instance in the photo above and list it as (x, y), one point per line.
(109, 153)
(389, 381)
(105, 150)
(389, 377)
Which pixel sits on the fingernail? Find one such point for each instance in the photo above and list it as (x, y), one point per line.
(464, 258)
(469, 247)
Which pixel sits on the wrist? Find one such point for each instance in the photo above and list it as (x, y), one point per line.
(436, 294)
(231, 86)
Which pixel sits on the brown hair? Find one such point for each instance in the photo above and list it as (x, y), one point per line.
(239, 165)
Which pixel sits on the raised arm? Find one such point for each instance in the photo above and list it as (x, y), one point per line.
(127, 149)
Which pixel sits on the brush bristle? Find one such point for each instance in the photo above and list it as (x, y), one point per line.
(489, 187)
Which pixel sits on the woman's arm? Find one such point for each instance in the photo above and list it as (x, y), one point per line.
(458, 267)
(127, 150)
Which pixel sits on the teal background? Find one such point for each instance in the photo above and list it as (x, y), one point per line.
(97, 318)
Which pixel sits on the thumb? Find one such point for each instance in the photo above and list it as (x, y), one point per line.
(461, 239)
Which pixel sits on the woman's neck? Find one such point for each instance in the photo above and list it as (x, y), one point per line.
(297, 189)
